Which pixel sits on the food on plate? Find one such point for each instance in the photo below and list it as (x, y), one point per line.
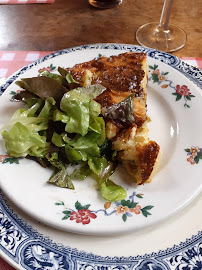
(90, 117)
(124, 109)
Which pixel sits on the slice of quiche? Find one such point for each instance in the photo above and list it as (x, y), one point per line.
(125, 78)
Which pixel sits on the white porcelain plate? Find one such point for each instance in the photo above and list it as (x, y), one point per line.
(174, 105)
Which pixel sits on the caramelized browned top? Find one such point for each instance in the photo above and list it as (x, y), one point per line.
(109, 97)
(121, 73)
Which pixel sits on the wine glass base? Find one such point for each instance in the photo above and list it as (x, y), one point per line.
(153, 36)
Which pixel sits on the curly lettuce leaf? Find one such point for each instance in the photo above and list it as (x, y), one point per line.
(82, 110)
(35, 118)
(28, 118)
(23, 133)
(20, 142)
(32, 123)
(87, 144)
(83, 147)
(76, 105)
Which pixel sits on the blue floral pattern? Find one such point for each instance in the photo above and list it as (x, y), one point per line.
(191, 259)
(34, 252)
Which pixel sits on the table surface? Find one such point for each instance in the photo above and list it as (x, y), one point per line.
(72, 23)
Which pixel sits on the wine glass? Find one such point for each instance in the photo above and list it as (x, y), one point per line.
(162, 36)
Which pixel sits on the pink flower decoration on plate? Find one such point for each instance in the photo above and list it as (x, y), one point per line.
(183, 90)
(82, 216)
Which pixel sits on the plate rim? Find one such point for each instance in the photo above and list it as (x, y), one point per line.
(175, 62)
(179, 64)
(156, 257)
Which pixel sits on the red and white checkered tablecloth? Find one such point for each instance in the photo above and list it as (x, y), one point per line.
(11, 61)
(8, 2)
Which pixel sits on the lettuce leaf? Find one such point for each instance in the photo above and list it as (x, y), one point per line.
(57, 140)
(60, 79)
(79, 106)
(98, 166)
(20, 142)
(111, 191)
(54, 160)
(26, 97)
(23, 133)
(43, 87)
(62, 71)
(47, 110)
(63, 126)
(76, 105)
(81, 173)
(32, 123)
(60, 116)
(94, 109)
(83, 147)
(61, 179)
(34, 109)
(72, 154)
(70, 79)
(92, 91)
(122, 112)
(31, 118)
(103, 169)
(98, 126)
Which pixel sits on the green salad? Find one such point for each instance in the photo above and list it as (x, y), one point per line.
(63, 126)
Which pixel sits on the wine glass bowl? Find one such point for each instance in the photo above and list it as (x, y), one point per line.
(162, 36)
(154, 36)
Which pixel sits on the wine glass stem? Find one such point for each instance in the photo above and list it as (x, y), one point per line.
(165, 15)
